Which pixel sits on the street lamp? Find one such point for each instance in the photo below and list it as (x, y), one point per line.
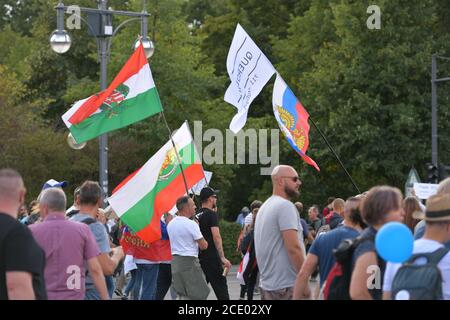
(149, 47)
(100, 26)
(59, 39)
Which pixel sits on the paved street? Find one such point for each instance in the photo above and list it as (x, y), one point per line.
(234, 288)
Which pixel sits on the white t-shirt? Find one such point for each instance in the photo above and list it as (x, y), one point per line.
(183, 235)
(420, 246)
(248, 219)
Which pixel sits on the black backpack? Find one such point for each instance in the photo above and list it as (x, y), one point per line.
(419, 281)
(338, 281)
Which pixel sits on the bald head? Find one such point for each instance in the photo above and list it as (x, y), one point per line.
(285, 181)
(11, 183)
(54, 199)
(12, 191)
(281, 171)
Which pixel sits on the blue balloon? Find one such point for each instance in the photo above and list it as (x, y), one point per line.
(394, 242)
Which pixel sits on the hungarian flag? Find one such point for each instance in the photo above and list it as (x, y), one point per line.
(144, 196)
(131, 97)
(292, 119)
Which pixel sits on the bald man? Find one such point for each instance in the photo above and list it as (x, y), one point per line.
(22, 261)
(278, 249)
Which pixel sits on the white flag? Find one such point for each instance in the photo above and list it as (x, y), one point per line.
(249, 70)
(202, 183)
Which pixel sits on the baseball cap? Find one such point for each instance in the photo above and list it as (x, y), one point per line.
(207, 192)
(54, 184)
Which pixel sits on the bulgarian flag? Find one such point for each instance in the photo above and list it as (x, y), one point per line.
(144, 196)
(131, 97)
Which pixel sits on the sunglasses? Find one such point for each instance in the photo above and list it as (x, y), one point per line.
(294, 179)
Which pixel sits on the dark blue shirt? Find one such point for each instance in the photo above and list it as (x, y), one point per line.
(369, 246)
(323, 247)
(305, 228)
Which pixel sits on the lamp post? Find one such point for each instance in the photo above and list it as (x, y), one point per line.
(99, 22)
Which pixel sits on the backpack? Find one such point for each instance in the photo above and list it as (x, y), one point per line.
(323, 229)
(337, 285)
(419, 281)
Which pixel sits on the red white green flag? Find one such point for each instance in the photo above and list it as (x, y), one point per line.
(143, 197)
(131, 97)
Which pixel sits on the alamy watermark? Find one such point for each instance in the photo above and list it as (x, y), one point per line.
(260, 147)
(374, 20)
(374, 279)
(74, 20)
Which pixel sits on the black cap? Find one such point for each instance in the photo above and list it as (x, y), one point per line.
(207, 192)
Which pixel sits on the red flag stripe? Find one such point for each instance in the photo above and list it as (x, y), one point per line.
(166, 198)
(131, 67)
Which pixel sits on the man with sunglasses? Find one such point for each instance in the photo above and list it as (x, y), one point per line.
(277, 244)
(212, 260)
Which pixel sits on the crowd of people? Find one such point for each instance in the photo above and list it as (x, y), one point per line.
(85, 252)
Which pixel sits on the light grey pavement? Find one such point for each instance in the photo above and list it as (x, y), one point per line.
(234, 288)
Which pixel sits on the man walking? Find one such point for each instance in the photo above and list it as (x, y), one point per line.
(213, 258)
(68, 246)
(22, 261)
(90, 199)
(277, 245)
(185, 240)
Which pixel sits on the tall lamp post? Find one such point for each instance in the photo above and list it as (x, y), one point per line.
(99, 22)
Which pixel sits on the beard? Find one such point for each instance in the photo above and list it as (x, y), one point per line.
(291, 192)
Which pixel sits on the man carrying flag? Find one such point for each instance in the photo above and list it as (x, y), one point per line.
(131, 97)
(292, 119)
(144, 196)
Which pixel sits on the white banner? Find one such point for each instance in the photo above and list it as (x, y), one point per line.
(202, 183)
(249, 70)
(196, 189)
(425, 190)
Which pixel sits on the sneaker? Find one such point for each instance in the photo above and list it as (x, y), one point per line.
(118, 292)
(256, 292)
(124, 298)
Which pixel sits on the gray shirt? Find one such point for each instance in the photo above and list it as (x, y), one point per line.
(275, 215)
(101, 237)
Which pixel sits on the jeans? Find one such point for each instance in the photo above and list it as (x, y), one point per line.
(110, 285)
(149, 275)
(134, 285)
(92, 293)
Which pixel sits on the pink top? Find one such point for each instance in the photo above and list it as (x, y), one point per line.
(67, 245)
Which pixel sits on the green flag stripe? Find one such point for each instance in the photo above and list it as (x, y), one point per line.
(127, 112)
(141, 213)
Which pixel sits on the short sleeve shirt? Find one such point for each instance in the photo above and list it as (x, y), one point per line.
(274, 216)
(68, 245)
(421, 246)
(208, 219)
(183, 235)
(101, 237)
(20, 252)
(369, 246)
(323, 246)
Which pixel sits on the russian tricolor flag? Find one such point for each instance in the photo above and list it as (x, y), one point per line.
(292, 119)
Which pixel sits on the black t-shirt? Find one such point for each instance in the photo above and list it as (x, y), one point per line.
(20, 252)
(207, 219)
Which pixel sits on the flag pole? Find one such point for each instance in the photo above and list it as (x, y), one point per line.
(176, 152)
(335, 154)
